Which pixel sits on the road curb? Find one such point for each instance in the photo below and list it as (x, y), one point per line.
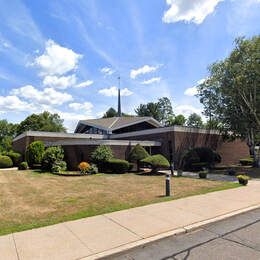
(182, 230)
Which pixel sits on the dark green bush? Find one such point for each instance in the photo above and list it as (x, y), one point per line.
(34, 153)
(131, 166)
(5, 161)
(203, 174)
(93, 169)
(58, 166)
(101, 154)
(16, 157)
(117, 166)
(51, 156)
(199, 158)
(243, 179)
(156, 161)
(137, 154)
(247, 161)
(23, 166)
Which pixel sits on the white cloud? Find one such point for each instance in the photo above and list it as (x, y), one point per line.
(107, 71)
(83, 107)
(150, 81)
(56, 60)
(193, 90)
(113, 92)
(47, 96)
(59, 82)
(84, 84)
(14, 104)
(186, 110)
(189, 10)
(143, 70)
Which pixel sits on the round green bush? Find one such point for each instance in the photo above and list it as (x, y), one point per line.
(102, 154)
(117, 166)
(23, 166)
(59, 166)
(34, 153)
(16, 158)
(93, 169)
(51, 156)
(5, 161)
(156, 161)
(203, 174)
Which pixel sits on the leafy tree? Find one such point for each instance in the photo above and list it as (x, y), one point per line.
(177, 120)
(102, 153)
(161, 111)
(231, 94)
(137, 154)
(42, 122)
(194, 120)
(111, 112)
(7, 132)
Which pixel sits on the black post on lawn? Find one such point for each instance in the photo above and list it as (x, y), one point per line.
(172, 168)
(168, 185)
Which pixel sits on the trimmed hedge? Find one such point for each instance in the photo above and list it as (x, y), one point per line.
(156, 161)
(5, 161)
(102, 154)
(117, 166)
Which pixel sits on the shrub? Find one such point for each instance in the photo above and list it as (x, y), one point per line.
(84, 167)
(34, 153)
(156, 161)
(243, 179)
(131, 166)
(93, 169)
(203, 174)
(117, 166)
(16, 157)
(200, 157)
(52, 155)
(102, 153)
(246, 161)
(23, 166)
(58, 167)
(5, 161)
(137, 154)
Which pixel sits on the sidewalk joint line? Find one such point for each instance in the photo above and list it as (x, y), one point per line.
(123, 226)
(16, 250)
(77, 237)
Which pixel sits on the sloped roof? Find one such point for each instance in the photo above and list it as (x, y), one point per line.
(114, 123)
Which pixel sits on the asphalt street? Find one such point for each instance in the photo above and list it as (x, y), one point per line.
(235, 238)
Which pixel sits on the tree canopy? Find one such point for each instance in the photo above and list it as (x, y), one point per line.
(231, 93)
(111, 112)
(194, 120)
(161, 111)
(42, 122)
(7, 132)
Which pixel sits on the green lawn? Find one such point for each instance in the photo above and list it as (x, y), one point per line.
(29, 199)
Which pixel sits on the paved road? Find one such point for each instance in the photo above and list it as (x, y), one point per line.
(235, 238)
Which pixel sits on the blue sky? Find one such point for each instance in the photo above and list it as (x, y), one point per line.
(65, 56)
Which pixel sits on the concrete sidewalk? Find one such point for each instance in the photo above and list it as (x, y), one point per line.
(98, 236)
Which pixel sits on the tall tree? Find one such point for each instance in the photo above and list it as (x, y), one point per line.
(194, 120)
(42, 122)
(111, 112)
(231, 94)
(7, 132)
(161, 111)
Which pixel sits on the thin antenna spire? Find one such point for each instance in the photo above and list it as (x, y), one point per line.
(119, 113)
